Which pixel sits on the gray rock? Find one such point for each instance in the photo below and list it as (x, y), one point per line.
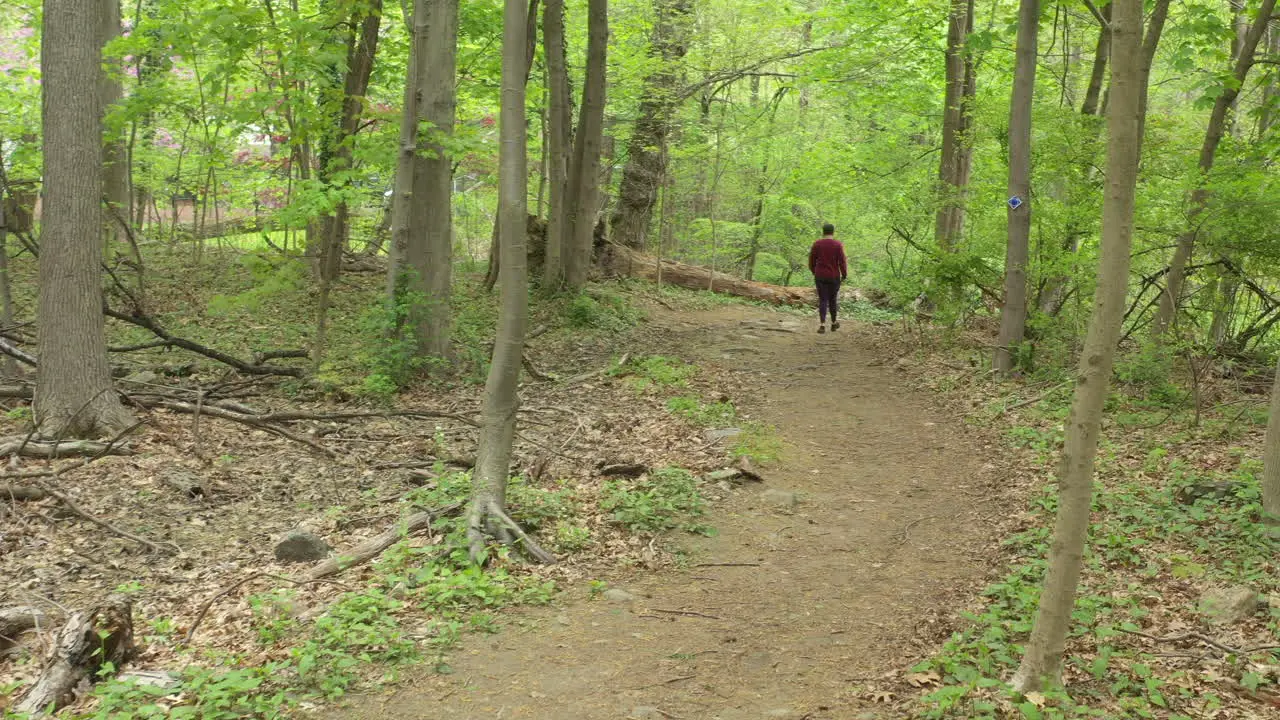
(781, 713)
(779, 498)
(1230, 606)
(726, 474)
(301, 546)
(614, 595)
(868, 716)
(644, 712)
(142, 376)
(724, 486)
(399, 591)
(721, 434)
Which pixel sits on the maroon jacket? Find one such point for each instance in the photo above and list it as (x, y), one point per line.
(826, 260)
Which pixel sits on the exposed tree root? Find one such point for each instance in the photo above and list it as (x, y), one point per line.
(487, 519)
(371, 548)
(27, 447)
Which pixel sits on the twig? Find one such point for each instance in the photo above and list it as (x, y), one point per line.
(1035, 399)
(728, 564)
(204, 609)
(688, 613)
(261, 422)
(149, 323)
(588, 375)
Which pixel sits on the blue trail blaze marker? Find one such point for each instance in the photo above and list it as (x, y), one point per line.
(1015, 202)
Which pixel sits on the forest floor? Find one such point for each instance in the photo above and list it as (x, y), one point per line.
(788, 610)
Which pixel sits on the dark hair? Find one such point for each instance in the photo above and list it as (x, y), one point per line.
(828, 229)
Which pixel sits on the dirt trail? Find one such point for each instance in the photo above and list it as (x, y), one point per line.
(845, 586)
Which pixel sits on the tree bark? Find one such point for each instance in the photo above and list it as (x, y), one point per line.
(74, 394)
(559, 144)
(115, 163)
(1042, 661)
(953, 165)
(1199, 197)
(584, 175)
(429, 252)
(82, 647)
(1271, 459)
(487, 516)
(337, 157)
(1013, 316)
(402, 194)
(1098, 76)
(643, 172)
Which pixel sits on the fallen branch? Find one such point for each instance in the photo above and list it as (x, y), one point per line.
(374, 546)
(73, 507)
(48, 450)
(593, 373)
(16, 620)
(686, 613)
(85, 644)
(21, 392)
(148, 323)
(17, 353)
(260, 422)
(1036, 399)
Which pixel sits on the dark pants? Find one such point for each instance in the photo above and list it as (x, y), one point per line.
(828, 292)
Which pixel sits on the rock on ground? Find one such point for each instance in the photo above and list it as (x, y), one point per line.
(301, 546)
(779, 498)
(614, 595)
(1230, 606)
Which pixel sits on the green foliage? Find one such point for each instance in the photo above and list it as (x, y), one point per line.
(652, 371)
(666, 499)
(272, 279)
(220, 693)
(697, 412)
(601, 310)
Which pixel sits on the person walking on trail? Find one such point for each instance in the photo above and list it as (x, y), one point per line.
(827, 263)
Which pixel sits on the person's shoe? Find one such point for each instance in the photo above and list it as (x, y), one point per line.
(834, 326)
(821, 328)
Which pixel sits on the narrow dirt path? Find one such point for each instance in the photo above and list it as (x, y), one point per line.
(846, 585)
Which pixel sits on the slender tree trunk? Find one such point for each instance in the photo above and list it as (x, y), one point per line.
(952, 167)
(584, 176)
(559, 144)
(1199, 198)
(1013, 316)
(487, 516)
(402, 195)
(337, 158)
(1042, 661)
(643, 172)
(9, 366)
(115, 165)
(530, 50)
(429, 252)
(1271, 459)
(74, 395)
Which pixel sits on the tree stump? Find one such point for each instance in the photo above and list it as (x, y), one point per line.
(85, 643)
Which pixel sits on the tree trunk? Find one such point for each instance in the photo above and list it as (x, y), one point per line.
(338, 158)
(115, 165)
(640, 178)
(1013, 316)
(487, 516)
(1271, 459)
(559, 144)
(584, 175)
(402, 193)
(1042, 661)
(1199, 198)
(531, 49)
(621, 261)
(1097, 78)
(429, 251)
(74, 395)
(952, 170)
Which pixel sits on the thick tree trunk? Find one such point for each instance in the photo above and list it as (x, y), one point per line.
(1013, 316)
(559, 145)
(1199, 197)
(429, 252)
(584, 174)
(487, 516)
(640, 178)
(402, 194)
(954, 162)
(74, 395)
(1042, 661)
(1271, 459)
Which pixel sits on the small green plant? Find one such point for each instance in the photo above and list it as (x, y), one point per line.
(667, 499)
(19, 414)
(655, 371)
(694, 410)
(596, 588)
(572, 538)
(758, 443)
(601, 311)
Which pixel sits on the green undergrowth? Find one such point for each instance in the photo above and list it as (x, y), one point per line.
(1151, 553)
(422, 598)
(664, 376)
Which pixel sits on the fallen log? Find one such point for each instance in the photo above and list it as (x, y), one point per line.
(621, 261)
(87, 642)
(371, 548)
(16, 620)
(21, 492)
(71, 448)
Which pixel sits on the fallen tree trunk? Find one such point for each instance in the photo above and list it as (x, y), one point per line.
(28, 447)
(85, 643)
(625, 262)
(16, 620)
(20, 492)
